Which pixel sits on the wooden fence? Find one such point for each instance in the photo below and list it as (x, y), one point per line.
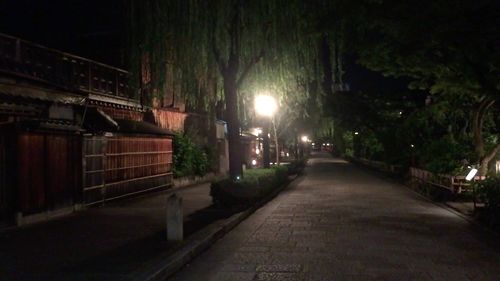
(455, 184)
(114, 167)
(380, 166)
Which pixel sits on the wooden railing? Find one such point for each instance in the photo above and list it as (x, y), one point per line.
(378, 165)
(455, 184)
(69, 72)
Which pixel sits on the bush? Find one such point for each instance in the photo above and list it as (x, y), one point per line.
(189, 158)
(255, 184)
(488, 191)
(443, 156)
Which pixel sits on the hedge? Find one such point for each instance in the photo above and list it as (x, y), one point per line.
(256, 184)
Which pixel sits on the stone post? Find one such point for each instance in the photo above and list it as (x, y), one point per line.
(174, 218)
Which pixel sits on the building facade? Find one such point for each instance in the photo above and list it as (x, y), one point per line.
(73, 133)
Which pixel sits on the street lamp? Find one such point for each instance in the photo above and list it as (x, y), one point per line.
(266, 106)
(472, 173)
(470, 177)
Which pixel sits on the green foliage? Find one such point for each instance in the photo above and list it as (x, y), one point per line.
(391, 38)
(255, 184)
(442, 156)
(253, 174)
(348, 140)
(488, 191)
(189, 158)
(424, 45)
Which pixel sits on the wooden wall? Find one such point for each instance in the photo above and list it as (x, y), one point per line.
(120, 113)
(48, 171)
(170, 120)
(5, 198)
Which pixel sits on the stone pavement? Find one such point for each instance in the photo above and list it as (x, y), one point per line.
(103, 243)
(340, 222)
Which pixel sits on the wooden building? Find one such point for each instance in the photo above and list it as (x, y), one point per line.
(73, 133)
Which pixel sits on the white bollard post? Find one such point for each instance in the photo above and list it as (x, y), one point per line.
(174, 218)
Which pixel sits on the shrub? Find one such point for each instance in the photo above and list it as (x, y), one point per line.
(488, 191)
(255, 184)
(189, 158)
(442, 156)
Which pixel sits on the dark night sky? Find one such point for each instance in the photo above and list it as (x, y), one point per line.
(361, 79)
(89, 28)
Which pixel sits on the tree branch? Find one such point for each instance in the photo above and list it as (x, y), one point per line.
(488, 157)
(248, 67)
(220, 63)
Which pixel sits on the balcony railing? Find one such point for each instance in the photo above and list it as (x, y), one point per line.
(69, 72)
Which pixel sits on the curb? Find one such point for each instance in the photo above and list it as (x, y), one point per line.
(166, 265)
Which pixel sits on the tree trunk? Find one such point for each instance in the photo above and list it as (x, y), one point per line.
(325, 58)
(233, 125)
(276, 143)
(265, 143)
(477, 131)
(229, 70)
(485, 161)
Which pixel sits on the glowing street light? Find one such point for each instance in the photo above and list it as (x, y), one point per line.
(265, 105)
(257, 131)
(471, 174)
(304, 138)
(356, 133)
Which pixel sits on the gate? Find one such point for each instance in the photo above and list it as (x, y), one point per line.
(115, 167)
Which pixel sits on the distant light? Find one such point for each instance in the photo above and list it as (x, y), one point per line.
(238, 178)
(254, 162)
(257, 151)
(328, 144)
(304, 138)
(412, 146)
(265, 105)
(324, 144)
(287, 154)
(313, 143)
(471, 174)
(356, 133)
(257, 131)
(401, 113)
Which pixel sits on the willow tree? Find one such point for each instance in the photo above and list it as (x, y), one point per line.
(251, 46)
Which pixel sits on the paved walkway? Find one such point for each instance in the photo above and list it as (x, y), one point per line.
(340, 222)
(104, 243)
